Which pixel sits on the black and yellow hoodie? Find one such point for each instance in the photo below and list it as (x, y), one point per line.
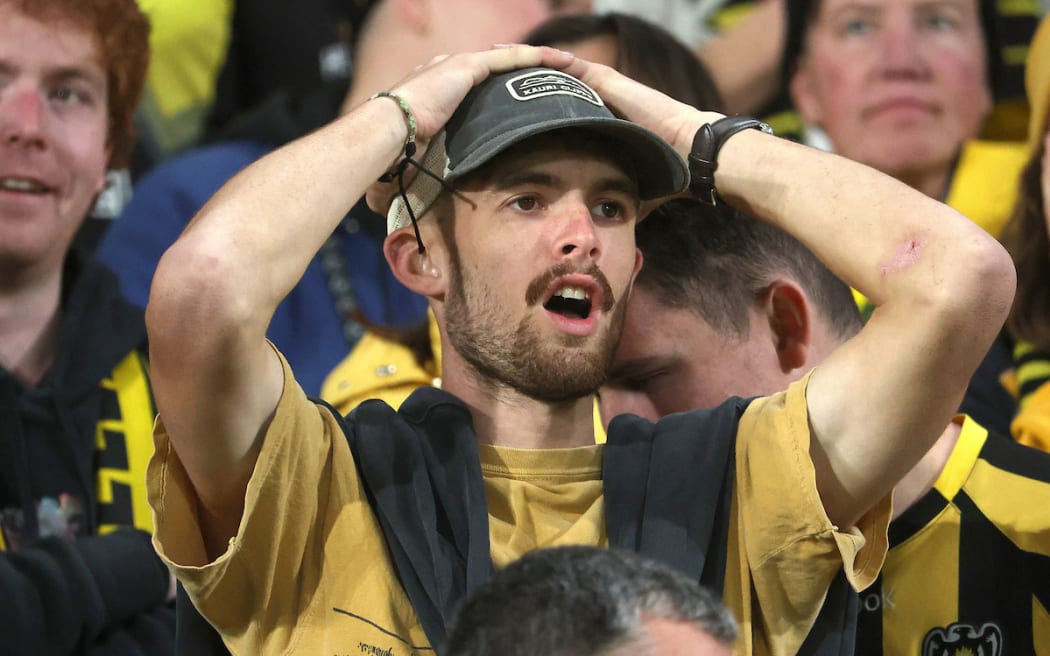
(78, 573)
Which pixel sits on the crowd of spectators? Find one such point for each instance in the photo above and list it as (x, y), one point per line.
(266, 385)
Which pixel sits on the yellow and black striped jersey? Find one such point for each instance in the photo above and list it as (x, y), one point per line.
(968, 571)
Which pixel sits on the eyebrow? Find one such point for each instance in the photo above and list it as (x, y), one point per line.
(873, 7)
(513, 179)
(73, 73)
(62, 73)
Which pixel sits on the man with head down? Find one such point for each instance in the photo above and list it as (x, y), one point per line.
(296, 531)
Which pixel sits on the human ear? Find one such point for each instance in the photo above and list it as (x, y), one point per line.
(804, 95)
(423, 272)
(787, 310)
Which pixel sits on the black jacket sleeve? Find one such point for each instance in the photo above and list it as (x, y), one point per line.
(59, 597)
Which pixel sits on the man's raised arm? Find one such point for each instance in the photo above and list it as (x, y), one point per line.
(942, 285)
(216, 380)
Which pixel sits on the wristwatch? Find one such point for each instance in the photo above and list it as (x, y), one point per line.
(703, 159)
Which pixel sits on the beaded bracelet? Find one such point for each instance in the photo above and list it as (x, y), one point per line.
(410, 120)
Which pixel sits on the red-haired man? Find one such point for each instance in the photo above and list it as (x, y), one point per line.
(77, 569)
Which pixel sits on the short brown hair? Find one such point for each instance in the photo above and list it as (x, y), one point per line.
(717, 261)
(122, 34)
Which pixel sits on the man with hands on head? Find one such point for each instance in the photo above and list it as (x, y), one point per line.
(293, 530)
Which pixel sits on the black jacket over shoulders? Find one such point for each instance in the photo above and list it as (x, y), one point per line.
(76, 577)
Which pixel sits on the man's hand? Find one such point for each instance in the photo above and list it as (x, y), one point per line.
(674, 121)
(434, 91)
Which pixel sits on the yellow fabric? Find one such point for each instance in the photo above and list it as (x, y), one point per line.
(132, 431)
(1031, 425)
(379, 368)
(123, 434)
(188, 43)
(308, 572)
(1037, 83)
(542, 498)
(1040, 624)
(786, 547)
(921, 577)
(984, 184)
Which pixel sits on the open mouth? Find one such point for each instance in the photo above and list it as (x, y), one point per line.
(570, 302)
(23, 185)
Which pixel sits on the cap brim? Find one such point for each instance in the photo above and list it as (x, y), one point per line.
(659, 169)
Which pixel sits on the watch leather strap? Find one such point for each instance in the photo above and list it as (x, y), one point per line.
(703, 158)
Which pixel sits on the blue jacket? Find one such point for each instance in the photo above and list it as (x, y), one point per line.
(306, 326)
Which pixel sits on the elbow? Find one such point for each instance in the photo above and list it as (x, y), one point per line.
(196, 295)
(977, 292)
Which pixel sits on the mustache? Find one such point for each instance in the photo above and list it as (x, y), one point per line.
(538, 287)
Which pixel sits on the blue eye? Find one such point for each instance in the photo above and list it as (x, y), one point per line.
(858, 27)
(940, 22)
(67, 95)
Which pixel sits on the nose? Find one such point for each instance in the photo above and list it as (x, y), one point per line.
(21, 117)
(576, 233)
(902, 52)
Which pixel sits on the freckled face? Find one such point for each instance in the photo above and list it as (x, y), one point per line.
(53, 121)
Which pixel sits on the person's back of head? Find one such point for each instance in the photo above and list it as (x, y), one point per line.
(637, 48)
(724, 305)
(716, 261)
(589, 601)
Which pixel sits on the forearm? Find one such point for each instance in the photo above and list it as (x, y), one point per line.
(891, 243)
(941, 285)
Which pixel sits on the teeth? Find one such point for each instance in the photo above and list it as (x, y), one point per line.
(19, 184)
(573, 292)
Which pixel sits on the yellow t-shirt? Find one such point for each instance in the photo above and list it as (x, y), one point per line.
(987, 509)
(309, 573)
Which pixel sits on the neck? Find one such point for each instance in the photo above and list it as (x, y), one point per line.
(932, 183)
(920, 480)
(505, 417)
(29, 318)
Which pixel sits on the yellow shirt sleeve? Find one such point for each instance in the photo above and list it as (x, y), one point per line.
(308, 571)
(787, 551)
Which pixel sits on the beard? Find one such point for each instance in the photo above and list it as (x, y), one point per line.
(520, 358)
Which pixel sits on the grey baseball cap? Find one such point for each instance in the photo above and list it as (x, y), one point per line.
(510, 107)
